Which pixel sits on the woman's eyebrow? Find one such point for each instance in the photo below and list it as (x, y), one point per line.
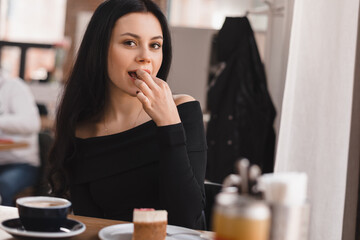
(157, 37)
(138, 37)
(130, 34)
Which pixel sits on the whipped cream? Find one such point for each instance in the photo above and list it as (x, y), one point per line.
(149, 216)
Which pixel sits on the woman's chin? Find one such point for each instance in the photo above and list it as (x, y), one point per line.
(133, 92)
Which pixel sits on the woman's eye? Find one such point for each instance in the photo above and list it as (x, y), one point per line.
(156, 45)
(130, 43)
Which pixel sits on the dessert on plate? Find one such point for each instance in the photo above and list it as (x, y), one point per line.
(149, 224)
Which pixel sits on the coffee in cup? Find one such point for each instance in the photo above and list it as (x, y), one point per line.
(45, 214)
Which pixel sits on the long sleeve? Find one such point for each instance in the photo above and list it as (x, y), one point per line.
(182, 168)
(18, 111)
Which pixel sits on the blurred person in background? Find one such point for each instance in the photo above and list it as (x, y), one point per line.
(19, 121)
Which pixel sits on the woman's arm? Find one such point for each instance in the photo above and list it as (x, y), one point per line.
(182, 167)
(183, 149)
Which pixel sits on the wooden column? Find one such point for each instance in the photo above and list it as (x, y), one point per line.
(73, 7)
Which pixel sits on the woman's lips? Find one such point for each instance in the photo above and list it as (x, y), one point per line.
(133, 75)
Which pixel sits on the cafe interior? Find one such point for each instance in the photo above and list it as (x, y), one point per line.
(297, 157)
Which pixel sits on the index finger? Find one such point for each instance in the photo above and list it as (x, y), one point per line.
(161, 83)
(158, 80)
(147, 78)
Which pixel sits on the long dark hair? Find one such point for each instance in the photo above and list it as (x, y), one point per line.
(86, 88)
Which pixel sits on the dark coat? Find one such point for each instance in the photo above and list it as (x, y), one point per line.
(242, 113)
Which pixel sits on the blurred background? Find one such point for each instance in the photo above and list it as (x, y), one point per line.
(312, 46)
(39, 40)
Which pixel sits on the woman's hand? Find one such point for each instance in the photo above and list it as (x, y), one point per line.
(156, 98)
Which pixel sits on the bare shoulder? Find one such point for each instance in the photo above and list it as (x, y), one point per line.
(182, 98)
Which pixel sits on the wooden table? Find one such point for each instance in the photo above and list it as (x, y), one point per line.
(14, 145)
(93, 225)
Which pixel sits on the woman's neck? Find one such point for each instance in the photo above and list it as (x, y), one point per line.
(121, 107)
(120, 104)
(122, 112)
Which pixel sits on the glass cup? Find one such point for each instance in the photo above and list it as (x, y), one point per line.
(239, 217)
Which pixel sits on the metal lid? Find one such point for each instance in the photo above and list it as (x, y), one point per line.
(234, 205)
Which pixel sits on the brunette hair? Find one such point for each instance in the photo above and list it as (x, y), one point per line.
(86, 88)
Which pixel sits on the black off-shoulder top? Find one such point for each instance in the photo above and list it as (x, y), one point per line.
(144, 167)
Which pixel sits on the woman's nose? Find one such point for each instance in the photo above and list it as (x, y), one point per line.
(144, 56)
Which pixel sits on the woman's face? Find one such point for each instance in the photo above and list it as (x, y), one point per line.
(136, 43)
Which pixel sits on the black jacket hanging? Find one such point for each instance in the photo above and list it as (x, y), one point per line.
(242, 113)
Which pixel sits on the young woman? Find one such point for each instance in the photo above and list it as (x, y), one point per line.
(123, 141)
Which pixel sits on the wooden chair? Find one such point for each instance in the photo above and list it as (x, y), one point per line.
(211, 190)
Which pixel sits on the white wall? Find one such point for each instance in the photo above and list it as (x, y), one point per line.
(206, 13)
(316, 121)
(191, 57)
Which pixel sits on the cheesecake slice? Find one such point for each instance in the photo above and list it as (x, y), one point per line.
(149, 224)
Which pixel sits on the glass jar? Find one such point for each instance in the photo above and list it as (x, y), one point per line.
(238, 217)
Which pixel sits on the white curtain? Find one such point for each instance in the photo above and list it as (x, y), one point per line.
(315, 132)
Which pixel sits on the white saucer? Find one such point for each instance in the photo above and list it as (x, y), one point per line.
(69, 229)
(124, 232)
